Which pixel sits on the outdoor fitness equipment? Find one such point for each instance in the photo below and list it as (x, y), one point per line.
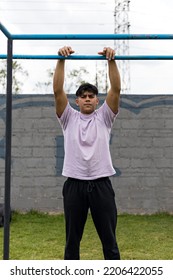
(10, 56)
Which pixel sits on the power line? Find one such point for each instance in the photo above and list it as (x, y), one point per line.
(62, 23)
(63, 2)
(54, 10)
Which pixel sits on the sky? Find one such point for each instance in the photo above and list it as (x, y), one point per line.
(88, 16)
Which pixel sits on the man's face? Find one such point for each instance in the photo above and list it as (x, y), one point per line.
(87, 102)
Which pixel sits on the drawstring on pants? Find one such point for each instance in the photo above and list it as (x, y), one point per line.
(90, 186)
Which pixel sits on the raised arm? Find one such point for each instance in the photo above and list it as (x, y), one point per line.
(58, 82)
(113, 94)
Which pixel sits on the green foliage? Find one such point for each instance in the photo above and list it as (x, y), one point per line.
(46, 87)
(38, 236)
(18, 74)
(75, 78)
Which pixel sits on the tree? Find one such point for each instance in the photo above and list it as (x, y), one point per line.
(75, 78)
(18, 72)
(46, 87)
(101, 79)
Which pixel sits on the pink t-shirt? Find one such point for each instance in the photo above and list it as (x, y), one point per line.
(86, 143)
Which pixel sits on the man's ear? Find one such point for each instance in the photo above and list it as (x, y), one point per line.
(98, 101)
(77, 101)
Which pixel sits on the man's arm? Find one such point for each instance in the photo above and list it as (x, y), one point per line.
(58, 82)
(113, 95)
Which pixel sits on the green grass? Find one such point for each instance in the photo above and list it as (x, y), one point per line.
(38, 236)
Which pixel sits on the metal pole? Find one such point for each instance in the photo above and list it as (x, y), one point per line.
(89, 57)
(5, 31)
(8, 151)
(92, 36)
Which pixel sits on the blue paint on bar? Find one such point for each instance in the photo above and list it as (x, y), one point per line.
(90, 57)
(92, 36)
(84, 36)
(3, 56)
(5, 31)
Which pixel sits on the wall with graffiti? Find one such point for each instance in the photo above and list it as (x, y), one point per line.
(141, 146)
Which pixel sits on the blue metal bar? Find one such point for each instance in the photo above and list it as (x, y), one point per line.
(5, 31)
(3, 56)
(90, 57)
(92, 36)
(84, 36)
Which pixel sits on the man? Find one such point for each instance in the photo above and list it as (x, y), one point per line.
(87, 161)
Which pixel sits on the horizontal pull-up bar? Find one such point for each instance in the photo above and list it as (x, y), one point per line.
(84, 36)
(91, 36)
(90, 57)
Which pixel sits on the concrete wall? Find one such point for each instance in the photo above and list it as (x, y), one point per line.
(141, 147)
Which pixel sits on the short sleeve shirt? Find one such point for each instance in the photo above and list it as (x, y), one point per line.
(86, 143)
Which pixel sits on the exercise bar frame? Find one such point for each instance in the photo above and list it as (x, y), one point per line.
(10, 56)
(89, 57)
(87, 37)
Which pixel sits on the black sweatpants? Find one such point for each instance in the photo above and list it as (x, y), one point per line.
(98, 195)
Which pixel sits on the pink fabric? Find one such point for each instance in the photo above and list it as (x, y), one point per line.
(86, 143)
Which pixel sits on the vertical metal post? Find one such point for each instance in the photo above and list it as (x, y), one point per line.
(8, 152)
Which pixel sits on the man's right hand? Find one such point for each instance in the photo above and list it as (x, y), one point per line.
(65, 51)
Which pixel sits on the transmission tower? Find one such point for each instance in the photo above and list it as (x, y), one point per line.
(122, 25)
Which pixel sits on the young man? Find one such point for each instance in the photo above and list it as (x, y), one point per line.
(87, 161)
